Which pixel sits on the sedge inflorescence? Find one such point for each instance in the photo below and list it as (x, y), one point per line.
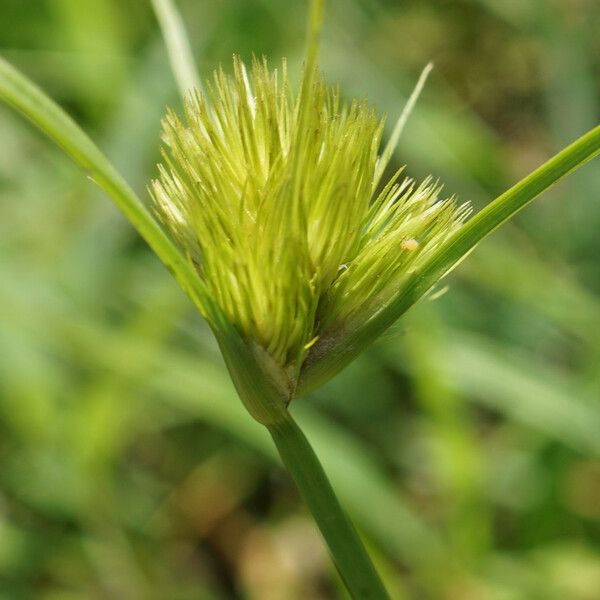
(275, 198)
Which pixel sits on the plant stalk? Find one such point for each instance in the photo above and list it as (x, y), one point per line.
(345, 546)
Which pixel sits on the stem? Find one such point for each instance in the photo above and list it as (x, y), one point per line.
(345, 546)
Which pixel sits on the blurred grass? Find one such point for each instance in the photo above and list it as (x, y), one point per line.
(466, 444)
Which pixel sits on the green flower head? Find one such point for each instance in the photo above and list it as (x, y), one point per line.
(276, 199)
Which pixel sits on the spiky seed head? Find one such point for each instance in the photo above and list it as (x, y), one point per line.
(273, 196)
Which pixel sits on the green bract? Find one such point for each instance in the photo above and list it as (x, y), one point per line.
(275, 199)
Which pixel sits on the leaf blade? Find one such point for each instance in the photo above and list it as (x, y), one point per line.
(178, 46)
(23, 95)
(334, 352)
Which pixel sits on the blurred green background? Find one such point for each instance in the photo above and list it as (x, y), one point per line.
(465, 443)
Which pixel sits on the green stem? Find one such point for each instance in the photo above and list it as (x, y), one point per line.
(345, 546)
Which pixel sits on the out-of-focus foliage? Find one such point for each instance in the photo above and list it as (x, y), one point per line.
(466, 444)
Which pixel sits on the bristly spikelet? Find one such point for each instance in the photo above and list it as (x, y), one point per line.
(273, 197)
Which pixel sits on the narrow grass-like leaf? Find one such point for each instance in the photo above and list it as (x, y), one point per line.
(178, 45)
(525, 390)
(20, 93)
(517, 384)
(330, 354)
(390, 147)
